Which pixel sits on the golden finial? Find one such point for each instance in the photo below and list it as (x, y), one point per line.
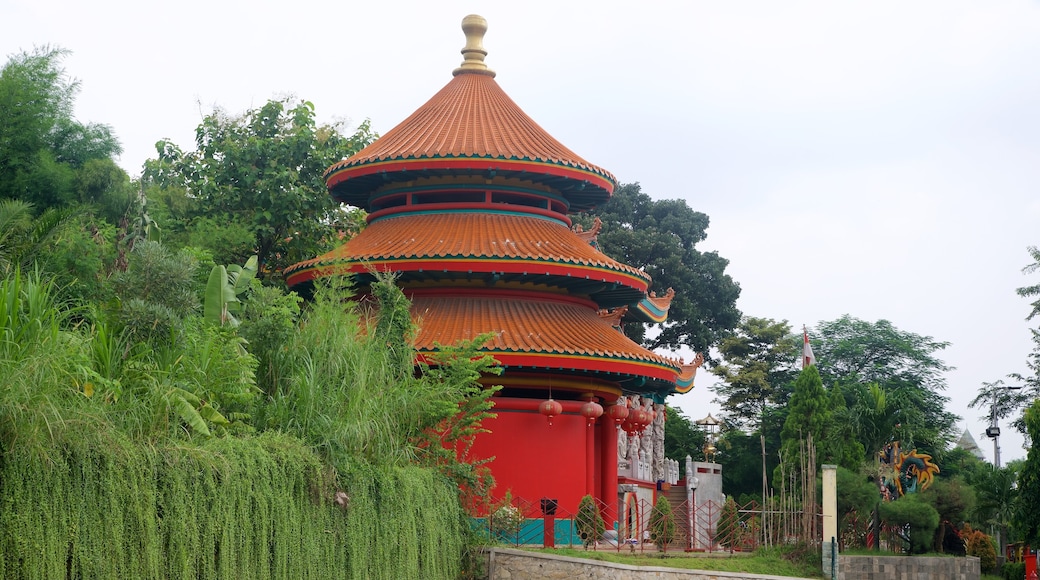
(474, 26)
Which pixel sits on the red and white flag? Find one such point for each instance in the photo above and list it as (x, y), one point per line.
(808, 358)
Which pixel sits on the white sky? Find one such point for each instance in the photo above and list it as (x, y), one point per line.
(876, 158)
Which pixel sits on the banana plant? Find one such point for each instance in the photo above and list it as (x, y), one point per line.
(225, 286)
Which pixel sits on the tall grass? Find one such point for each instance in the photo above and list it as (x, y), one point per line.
(41, 364)
(103, 473)
(355, 394)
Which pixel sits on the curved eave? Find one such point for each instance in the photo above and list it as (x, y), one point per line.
(538, 331)
(354, 184)
(473, 243)
(618, 369)
(647, 311)
(468, 266)
(684, 382)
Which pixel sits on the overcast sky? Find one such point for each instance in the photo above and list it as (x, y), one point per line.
(878, 159)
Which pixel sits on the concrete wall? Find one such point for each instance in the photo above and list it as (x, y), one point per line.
(914, 567)
(511, 564)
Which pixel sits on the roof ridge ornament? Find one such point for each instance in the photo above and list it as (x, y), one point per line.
(474, 26)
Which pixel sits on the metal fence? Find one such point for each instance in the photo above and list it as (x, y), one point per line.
(709, 527)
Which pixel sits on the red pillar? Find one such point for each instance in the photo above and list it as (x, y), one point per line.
(590, 459)
(608, 464)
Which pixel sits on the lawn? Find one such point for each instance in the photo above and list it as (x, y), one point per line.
(772, 561)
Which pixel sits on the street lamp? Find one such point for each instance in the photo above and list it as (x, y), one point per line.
(993, 431)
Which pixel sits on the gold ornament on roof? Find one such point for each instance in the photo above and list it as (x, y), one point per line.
(474, 26)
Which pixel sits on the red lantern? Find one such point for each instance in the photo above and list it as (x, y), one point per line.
(591, 410)
(618, 413)
(631, 424)
(550, 409)
(641, 419)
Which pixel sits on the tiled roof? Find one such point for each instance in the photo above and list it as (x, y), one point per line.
(478, 235)
(471, 118)
(527, 325)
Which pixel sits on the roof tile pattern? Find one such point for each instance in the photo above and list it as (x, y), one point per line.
(525, 325)
(471, 117)
(470, 235)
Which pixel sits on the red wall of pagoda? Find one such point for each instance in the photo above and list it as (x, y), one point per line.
(534, 460)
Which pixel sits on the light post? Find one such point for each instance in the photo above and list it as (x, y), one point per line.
(993, 431)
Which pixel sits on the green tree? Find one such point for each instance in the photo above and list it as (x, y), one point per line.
(854, 352)
(756, 365)
(47, 157)
(856, 493)
(1027, 505)
(1033, 289)
(661, 238)
(874, 418)
(742, 455)
(839, 443)
(808, 414)
(954, 501)
(259, 177)
(682, 437)
(1030, 380)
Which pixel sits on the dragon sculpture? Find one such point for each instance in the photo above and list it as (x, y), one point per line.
(904, 472)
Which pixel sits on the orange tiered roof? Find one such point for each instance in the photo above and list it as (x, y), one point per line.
(502, 241)
(535, 332)
(471, 125)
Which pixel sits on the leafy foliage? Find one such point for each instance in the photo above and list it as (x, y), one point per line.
(226, 284)
(588, 521)
(663, 530)
(239, 507)
(853, 352)
(756, 365)
(727, 530)
(808, 412)
(914, 513)
(47, 158)
(855, 493)
(1027, 505)
(996, 490)
(261, 173)
(980, 545)
(682, 437)
(660, 237)
(1033, 289)
(742, 454)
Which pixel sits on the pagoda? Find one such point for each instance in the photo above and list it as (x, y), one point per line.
(468, 202)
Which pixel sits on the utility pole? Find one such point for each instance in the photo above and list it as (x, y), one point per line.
(993, 432)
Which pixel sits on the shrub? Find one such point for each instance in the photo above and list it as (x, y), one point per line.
(728, 526)
(662, 523)
(1013, 571)
(918, 514)
(507, 520)
(589, 521)
(980, 545)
